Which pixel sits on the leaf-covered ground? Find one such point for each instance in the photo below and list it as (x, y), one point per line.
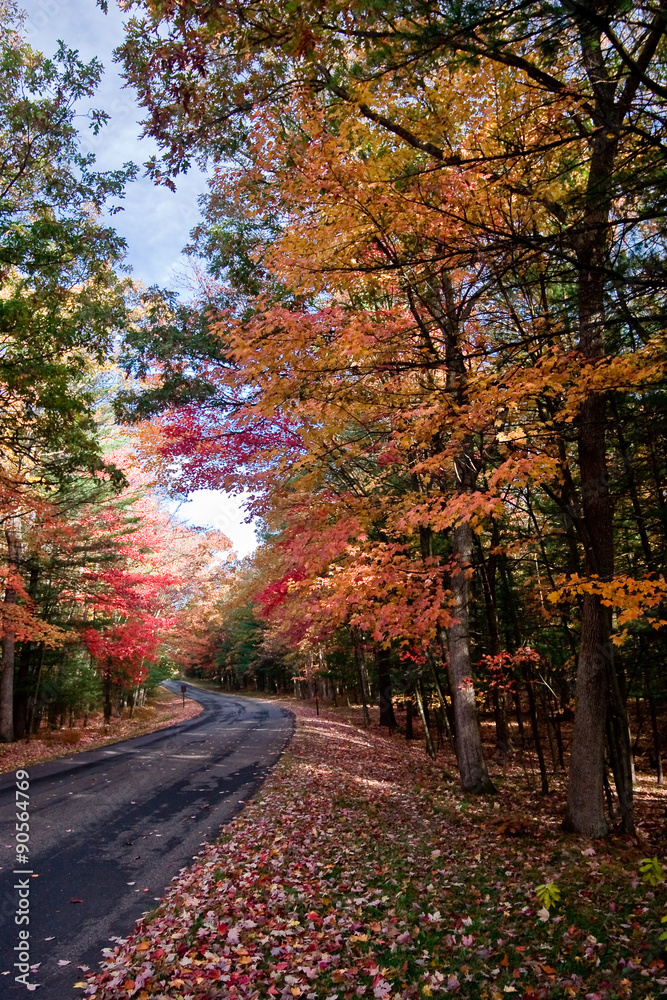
(360, 871)
(164, 709)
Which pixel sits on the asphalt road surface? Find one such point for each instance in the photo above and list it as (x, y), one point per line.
(110, 827)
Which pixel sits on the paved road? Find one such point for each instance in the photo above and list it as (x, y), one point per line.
(110, 827)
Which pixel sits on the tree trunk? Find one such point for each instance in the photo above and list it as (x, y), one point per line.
(311, 687)
(585, 801)
(409, 728)
(656, 739)
(107, 695)
(444, 707)
(585, 808)
(24, 679)
(519, 718)
(534, 723)
(361, 672)
(447, 313)
(555, 719)
(34, 712)
(620, 749)
(13, 536)
(387, 717)
(430, 749)
(488, 576)
(549, 727)
(22, 690)
(472, 766)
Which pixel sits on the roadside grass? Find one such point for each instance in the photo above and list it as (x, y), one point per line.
(361, 871)
(162, 709)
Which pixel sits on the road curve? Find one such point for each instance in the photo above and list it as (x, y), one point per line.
(110, 827)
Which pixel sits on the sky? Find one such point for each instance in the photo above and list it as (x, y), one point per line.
(156, 222)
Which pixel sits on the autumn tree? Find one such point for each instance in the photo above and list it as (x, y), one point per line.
(588, 80)
(61, 299)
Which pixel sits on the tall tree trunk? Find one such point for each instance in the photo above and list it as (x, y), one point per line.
(24, 677)
(444, 707)
(595, 681)
(472, 766)
(640, 519)
(409, 710)
(618, 740)
(22, 691)
(519, 719)
(586, 780)
(387, 717)
(361, 673)
(107, 694)
(34, 710)
(656, 739)
(430, 748)
(13, 537)
(488, 575)
(448, 315)
(529, 679)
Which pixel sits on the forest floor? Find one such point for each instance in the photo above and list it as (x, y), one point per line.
(360, 870)
(161, 709)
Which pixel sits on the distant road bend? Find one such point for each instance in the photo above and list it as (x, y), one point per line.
(110, 827)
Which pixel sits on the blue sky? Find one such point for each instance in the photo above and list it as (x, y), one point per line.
(155, 222)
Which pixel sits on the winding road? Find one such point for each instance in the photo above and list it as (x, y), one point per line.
(110, 827)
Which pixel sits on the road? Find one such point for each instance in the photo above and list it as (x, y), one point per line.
(110, 827)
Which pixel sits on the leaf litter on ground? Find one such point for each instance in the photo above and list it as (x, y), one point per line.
(360, 870)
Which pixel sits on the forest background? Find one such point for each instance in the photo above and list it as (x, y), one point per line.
(427, 343)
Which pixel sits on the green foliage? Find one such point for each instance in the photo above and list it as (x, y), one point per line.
(548, 894)
(652, 871)
(244, 635)
(62, 302)
(162, 670)
(71, 685)
(174, 338)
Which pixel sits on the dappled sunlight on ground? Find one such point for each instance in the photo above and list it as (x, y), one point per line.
(361, 871)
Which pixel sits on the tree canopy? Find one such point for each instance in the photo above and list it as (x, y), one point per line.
(435, 237)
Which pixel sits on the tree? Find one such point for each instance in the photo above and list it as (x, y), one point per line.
(582, 173)
(61, 301)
